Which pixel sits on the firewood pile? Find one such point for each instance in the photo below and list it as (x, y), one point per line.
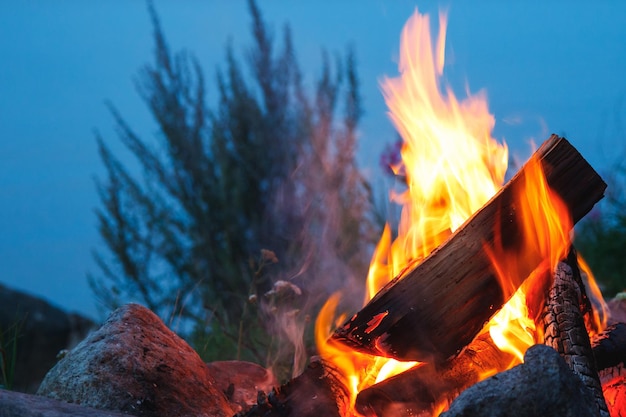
(434, 312)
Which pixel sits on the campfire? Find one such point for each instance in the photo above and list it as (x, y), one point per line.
(478, 271)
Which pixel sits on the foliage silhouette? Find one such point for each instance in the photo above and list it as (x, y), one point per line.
(601, 236)
(245, 215)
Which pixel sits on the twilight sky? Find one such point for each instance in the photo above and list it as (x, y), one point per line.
(556, 66)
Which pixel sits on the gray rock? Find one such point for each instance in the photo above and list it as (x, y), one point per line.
(135, 364)
(18, 404)
(44, 331)
(542, 386)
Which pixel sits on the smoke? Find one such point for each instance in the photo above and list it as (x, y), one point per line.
(326, 234)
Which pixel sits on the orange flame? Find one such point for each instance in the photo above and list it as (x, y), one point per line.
(545, 235)
(359, 370)
(598, 320)
(451, 163)
(452, 167)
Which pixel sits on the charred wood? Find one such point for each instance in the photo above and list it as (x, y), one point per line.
(429, 387)
(318, 391)
(565, 329)
(609, 346)
(434, 309)
(609, 349)
(613, 381)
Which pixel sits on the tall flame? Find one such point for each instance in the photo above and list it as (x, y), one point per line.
(451, 163)
(452, 167)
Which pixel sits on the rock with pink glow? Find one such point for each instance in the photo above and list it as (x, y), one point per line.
(241, 381)
(136, 365)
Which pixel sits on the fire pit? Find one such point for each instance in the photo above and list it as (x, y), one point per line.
(477, 273)
(478, 303)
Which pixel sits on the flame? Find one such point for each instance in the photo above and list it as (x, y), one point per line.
(511, 329)
(597, 321)
(451, 163)
(545, 235)
(359, 370)
(452, 167)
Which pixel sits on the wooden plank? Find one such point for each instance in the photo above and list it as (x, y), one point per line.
(440, 305)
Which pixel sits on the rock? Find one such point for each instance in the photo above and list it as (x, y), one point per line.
(542, 386)
(241, 381)
(617, 309)
(17, 404)
(136, 365)
(318, 391)
(44, 331)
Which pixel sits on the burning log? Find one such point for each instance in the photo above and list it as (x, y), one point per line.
(565, 329)
(613, 381)
(427, 387)
(609, 349)
(433, 310)
(318, 391)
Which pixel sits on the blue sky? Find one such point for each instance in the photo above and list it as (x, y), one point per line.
(557, 66)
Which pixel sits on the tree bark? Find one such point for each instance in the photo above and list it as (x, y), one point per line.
(434, 309)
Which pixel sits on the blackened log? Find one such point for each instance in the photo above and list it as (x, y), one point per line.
(420, 389)
(565, 329)
(613, 381)
(318, 391)
(609, 349)
(609, 346)
(432, 310)
(429, 387)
